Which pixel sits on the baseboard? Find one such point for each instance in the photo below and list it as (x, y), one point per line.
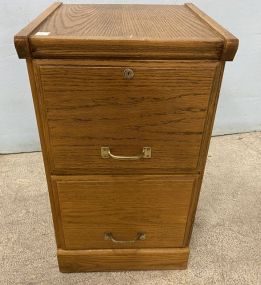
(122, 259)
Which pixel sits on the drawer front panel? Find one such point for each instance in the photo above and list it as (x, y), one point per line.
(98, 211)
(86, 108)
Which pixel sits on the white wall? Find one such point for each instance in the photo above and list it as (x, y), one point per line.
(240, 101)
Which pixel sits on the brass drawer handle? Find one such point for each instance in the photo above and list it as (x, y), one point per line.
(106, 153)
(139, 236)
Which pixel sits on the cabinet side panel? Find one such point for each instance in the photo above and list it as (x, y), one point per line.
(205, 146)
(32, 71)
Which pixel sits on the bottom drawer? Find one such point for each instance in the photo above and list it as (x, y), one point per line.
(140, 211)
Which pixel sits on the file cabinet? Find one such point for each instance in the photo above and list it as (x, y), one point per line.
(125, 99)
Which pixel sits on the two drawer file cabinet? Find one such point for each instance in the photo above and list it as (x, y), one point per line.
(125, 99)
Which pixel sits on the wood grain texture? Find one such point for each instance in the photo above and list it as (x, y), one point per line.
(148, 31)
(205, 146)
(231, 42)
(123, 22)
(21, 38)
(44, 145)
(47, 137)
(87, 107)
(83, 102)
(156, 205)
(75, 47)
(122, 259)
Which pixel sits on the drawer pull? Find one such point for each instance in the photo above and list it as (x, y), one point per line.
(106, 153)
(139, 236)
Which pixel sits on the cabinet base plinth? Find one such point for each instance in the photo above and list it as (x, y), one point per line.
(122, 259)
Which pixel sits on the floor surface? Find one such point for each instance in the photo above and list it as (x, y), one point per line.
(226, 240)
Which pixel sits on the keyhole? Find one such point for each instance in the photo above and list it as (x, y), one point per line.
(128, 73)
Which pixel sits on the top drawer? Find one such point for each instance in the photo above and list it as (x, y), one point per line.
(124, 106)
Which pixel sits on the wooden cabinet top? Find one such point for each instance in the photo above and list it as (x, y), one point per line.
(125, 31)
